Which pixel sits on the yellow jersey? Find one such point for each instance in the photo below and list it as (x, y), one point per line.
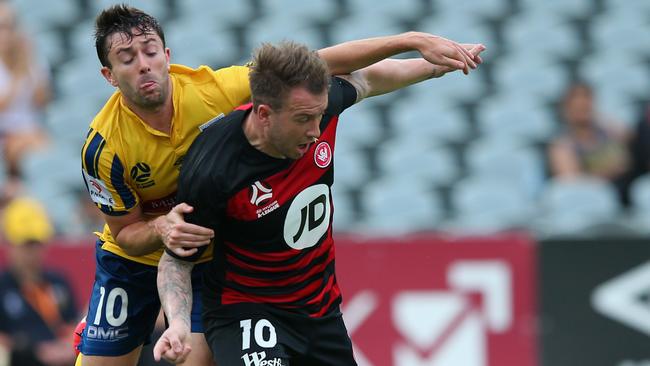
(126, 163)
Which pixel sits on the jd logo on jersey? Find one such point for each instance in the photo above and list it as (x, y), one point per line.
(308, 217)
(141, 175)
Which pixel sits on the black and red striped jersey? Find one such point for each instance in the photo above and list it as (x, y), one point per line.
(272, 217)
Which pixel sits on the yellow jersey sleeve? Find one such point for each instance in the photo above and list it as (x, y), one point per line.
(233, 82)
(105, 177)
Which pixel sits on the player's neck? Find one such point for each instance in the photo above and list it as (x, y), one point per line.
(256, 135)
(160, 118)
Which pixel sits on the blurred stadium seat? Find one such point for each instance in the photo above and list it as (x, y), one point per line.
(361, 125)
(286, 27)
(473, 9)
(515, 116)
(351, 170)
(640, 199)
(302, 11)
(397, 205)
(418, 160)
(363, 25)
(39, 15)
(458, 132)
(67, 120)
(399, 9)
(542, 34)
(459, 27)
(83, 76)
(575, 207)
(49, 47)
(522, 166)
(158, 9)
(486, 205)
(421, 116)
(194, 43)
(619, 80)
(540, 77)
(202, 11)
(561, 8)
(345, 214)
(454, 87)
(53, 176)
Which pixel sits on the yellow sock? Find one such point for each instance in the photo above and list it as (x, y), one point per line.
(78, 361)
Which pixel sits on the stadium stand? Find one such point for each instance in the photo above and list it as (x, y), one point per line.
(446, 140)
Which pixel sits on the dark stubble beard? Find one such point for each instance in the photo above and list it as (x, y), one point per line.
(151, 101)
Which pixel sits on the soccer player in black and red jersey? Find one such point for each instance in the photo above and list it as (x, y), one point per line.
(261, 179)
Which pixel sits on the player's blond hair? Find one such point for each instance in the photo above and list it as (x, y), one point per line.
(276, 69)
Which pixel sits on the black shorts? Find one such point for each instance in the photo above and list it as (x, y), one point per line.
(257, 335)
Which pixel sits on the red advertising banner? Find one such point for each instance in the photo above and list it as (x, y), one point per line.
(440, 302)
(74, 259)
(412, 301)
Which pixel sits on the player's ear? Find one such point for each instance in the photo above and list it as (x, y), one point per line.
(108, 75)
(263, 113)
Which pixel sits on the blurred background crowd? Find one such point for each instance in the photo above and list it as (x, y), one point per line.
(550, 135)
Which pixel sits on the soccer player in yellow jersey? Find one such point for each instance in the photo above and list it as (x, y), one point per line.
(131, 161)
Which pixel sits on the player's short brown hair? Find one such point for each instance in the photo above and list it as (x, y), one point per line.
(123, 19)
(276, 69)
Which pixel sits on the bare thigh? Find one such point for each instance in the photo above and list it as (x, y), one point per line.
(201, 354)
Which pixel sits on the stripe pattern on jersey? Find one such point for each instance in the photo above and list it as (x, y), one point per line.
(266, 270)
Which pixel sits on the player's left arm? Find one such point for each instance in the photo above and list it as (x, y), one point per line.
(350, 56)
(175, 291)
(392, 74)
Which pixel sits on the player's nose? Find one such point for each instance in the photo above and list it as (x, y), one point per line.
(143, 64)
(314, 129)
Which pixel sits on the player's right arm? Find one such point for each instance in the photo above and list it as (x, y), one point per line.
(139, 235)
(136, 233)
(175, 291)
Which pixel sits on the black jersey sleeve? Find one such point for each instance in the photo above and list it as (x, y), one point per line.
(198, 188)
(342, 95)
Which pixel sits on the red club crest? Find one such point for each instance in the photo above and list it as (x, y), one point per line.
(323, 155)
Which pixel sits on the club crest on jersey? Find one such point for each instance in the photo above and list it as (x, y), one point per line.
(141, 175)
(323, 154)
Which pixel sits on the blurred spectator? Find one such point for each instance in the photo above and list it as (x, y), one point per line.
(86, 218)
(589, 145)
(24, 92)
(37, 309)
(640, 144)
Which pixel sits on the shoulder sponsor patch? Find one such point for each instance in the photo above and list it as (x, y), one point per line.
(210, 122)
(99, 193)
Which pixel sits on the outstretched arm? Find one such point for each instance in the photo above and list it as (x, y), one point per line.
(350, 56)
(175, 291)
(392, 74)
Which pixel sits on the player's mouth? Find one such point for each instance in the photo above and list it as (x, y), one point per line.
(302, 148)
(148, 85)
